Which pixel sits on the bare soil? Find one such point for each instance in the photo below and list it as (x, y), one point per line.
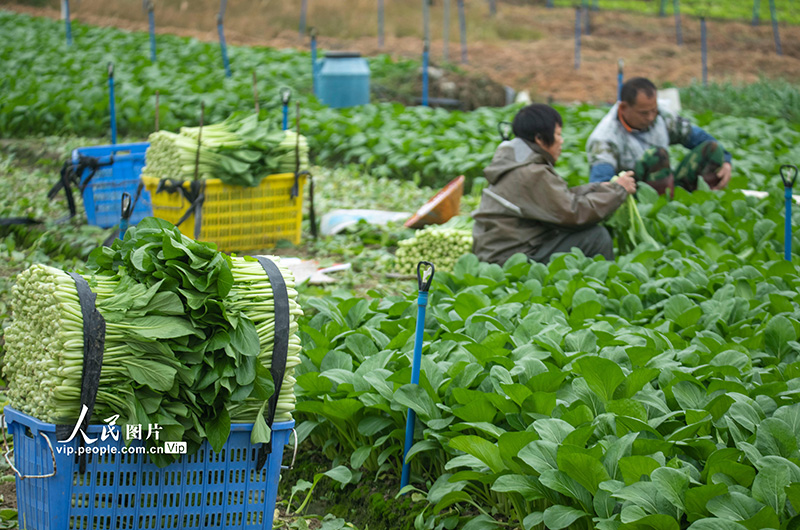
(538, 56)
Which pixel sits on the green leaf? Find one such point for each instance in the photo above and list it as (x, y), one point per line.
(775, 437)
(793, 494)
(525, 485)
(672, 484)
(769, 487)
(420, 447)
(467, 303)
(558, 516)
(261, 432)
(712, 523)
(481, 522)
(156, 375)
(218, 428)
(244, 338)
(541, 455)
(766, 518)
(633, 468)
(360, 456)
(340, 474)
(777, 335)
(656, 521)
(682, 311)
(443, 486)
(161, 327)
(553, 429)
(602, 376)
(588, 471)
(532, 519)
(734, 506)
(483, 450)
(417, 399)
(698, 498)
(452, 498)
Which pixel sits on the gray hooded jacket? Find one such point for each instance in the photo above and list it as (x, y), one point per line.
(527, 203)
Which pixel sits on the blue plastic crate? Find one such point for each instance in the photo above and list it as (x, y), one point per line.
(125, 491)
(102, 198)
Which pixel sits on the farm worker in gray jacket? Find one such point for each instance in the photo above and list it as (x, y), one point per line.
(634, 135)
(528, 208)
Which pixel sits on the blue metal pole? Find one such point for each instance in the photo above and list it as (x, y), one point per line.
(704, 49)
(221, 31)
(380, 23)
(756, 7)
(303, 10)
(620, 65)
(587, 22)
(286, 95)
(68, 22)
(112, 108)
(678, 32)
(446, 31)
(462, 24)
(577, 37)
(425, 76)
(152, 19)
(662, 12)
(549, 3)
(787, 193)
(774, 15)
(314, 81)
(422, 302)
(788, 233)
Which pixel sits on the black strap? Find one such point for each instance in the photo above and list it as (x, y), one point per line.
(312, 216)
(71, 173)
(280, 346)
(10, 221)
(94, 336)
(195, 196)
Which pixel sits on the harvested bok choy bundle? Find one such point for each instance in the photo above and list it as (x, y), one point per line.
(187, 341)
(253, 296)
(241, 151)
(628, 224)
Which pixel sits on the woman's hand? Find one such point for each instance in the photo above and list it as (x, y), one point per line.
(626, 180)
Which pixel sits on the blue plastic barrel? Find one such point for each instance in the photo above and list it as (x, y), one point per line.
(342, 79)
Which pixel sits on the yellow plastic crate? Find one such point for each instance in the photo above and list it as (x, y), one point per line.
(237, 218)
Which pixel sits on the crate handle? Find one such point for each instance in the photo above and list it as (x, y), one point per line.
(294, 454)
(7, 453)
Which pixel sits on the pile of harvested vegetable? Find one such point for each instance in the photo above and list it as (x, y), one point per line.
(241, 151)
(189, 335)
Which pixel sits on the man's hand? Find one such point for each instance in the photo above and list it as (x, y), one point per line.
(724, 174)
(626, 180)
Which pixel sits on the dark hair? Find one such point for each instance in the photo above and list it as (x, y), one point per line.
(537, 121)
(632, 87)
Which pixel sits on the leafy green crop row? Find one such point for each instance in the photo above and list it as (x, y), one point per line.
(660, 391)
(729, 9)
(65, 90)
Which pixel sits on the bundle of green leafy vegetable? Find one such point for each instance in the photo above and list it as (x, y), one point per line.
(628, 224)
(442, 245)
(188, 342)
(240, 151)
(252, 296)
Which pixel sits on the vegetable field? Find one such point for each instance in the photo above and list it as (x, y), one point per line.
(659, 391)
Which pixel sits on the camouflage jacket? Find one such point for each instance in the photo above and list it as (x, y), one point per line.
(610, 143)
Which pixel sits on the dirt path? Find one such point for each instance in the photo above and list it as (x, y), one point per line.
(543, 66)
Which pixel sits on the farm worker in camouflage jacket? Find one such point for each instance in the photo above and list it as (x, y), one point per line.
(528, 208)
(634, 135)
